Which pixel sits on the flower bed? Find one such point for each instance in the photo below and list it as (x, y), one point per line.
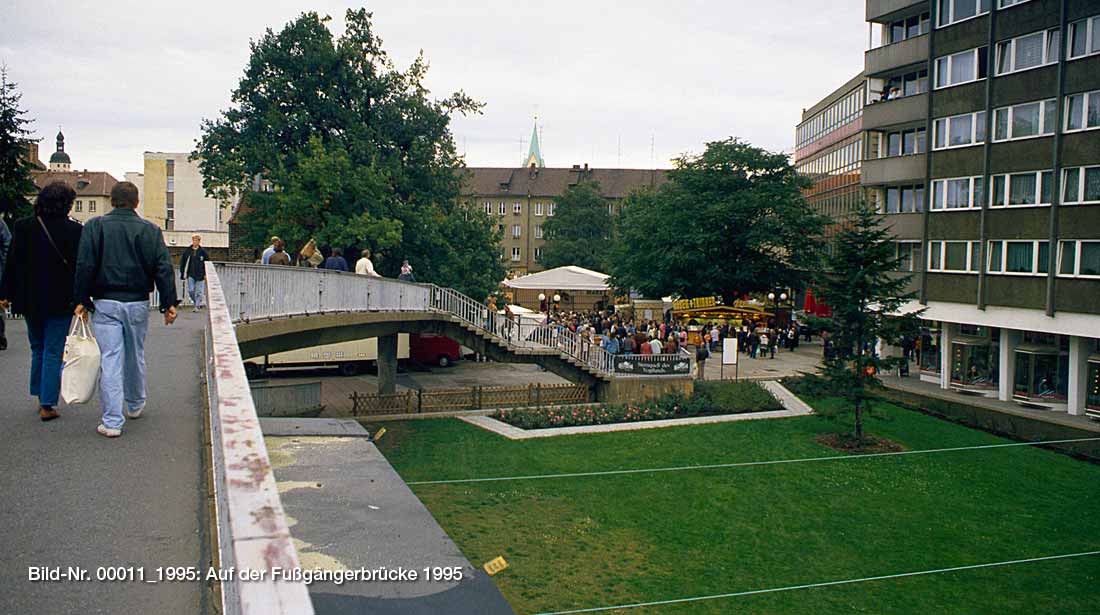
(710, 399)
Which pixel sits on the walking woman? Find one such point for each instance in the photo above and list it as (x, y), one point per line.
(38, 283)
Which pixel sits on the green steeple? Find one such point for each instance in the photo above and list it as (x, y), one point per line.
(534, 154)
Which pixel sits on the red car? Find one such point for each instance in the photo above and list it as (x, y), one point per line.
(433, 349)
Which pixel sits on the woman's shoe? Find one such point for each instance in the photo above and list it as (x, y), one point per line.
(47, 414)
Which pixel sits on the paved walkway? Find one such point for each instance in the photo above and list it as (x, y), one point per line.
(793, 406)
(786, 363)
(74, 498)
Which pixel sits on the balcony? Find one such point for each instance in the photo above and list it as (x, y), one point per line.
(878, 9)
(905, 110)
(889, 57)
(894, 170)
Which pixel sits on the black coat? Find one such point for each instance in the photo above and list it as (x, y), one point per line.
(193, 264)
(36, 280)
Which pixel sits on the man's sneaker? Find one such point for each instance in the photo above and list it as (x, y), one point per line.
(135, 414)
(103, 430)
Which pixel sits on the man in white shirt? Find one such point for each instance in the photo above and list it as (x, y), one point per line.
(269, 251)
(364, 266)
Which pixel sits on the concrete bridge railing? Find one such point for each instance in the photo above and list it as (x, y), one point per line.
(257, 291)
(251, 526)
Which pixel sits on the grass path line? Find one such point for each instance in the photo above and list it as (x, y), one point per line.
(822, 584)
(743, 463)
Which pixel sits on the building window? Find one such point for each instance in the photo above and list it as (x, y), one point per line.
(501, 209)
(550, 209)
(1084, 37)
(538, 254)
(91, 206)
(1083, 111)
(79, 206)
(910, 27)
(517, 230)
(905, 142)
(1030, 51)
(538, 208)
(1004, 4)
(538, 231)
(1028, 257)
(488, 208)
(953, 256)
(1081, 185)
(954, 11)
(515, 254)
(959, 130)
(963, 67)
(957, 193)
(1022, 189)
(517, 208)
(903, 199)
(908, 255)
(1023, 121)
(171, 184)
(1079, 258)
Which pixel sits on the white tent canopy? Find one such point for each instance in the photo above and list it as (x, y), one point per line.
(569, 277)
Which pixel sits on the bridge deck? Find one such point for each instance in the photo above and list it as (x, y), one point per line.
(74, 498)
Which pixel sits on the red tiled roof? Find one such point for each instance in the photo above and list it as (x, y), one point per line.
(550, 182)
(86, 183)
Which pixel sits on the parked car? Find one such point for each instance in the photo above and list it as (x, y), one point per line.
(433, 349)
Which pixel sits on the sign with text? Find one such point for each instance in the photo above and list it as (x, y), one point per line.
(653, 364)
(729, 351)
(690, 304)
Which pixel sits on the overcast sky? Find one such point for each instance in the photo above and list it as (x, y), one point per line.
(606, 78)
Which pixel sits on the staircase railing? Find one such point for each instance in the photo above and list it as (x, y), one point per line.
(264, 291)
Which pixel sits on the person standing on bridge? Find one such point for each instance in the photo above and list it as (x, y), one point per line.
(336, 262)
(193, 272)
(37, 283)
(364, 266)
(121, 258)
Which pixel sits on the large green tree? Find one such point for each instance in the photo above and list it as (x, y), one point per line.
(357, 152)
(579, 233)
(728, 222)
(15, 176)
(860, 284)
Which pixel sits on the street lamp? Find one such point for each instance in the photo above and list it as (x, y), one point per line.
(775, 301)
(557, 300)
(543, 306)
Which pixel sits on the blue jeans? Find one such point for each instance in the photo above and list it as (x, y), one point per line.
(47, 338)
(196, 290)
(120, 330)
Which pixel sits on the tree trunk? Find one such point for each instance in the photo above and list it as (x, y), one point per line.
(859, 421)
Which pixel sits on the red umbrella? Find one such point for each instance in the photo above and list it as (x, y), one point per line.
(810, 305)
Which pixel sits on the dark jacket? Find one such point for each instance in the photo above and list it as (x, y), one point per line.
(193, 265)
(36, 280)
(336, 263)
(120, 258)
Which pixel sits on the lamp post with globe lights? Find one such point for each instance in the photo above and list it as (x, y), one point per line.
(775, 297)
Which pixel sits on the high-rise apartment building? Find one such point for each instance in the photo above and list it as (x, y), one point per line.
(172, 197)
(981, 144)
(829, 149)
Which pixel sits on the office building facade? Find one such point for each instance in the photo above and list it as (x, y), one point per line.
(981, 145)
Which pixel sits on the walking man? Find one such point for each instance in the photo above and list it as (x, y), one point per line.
(193, 270)
(120, 258)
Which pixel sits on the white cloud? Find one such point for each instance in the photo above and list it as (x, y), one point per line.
(124, 77)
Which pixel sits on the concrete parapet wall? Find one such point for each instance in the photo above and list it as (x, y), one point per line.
(638, 390)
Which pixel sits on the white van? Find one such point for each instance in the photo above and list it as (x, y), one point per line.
(349, 357)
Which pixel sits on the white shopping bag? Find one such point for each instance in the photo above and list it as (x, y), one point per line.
(80, 372)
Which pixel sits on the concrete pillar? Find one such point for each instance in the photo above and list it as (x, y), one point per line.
(387, 364)
(1007, 364)
(946, 335)
(1078, 374)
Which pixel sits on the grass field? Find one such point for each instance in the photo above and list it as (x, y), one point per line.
(595, 541)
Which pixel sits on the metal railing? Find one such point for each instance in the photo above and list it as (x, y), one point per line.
(264, 291)
(252, 528)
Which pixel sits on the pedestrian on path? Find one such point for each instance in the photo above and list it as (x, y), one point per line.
(5, 243)
(121, 258)
(280, 256)
(37, 284)
(364, 266)
(406, 274)
(701, 354)
(336, 262)
(266, 256)
(193, 271)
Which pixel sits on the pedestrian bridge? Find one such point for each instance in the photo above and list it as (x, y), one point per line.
(255, 310)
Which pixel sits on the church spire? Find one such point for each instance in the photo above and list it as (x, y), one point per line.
(534, 154)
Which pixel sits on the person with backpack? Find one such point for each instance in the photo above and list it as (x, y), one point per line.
(37, 283)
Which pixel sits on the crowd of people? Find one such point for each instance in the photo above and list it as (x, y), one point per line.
(327, 257)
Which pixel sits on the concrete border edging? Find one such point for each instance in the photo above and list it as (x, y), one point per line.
(252, 528)
(793, 406)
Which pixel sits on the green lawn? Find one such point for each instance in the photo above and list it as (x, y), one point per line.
(595, 541)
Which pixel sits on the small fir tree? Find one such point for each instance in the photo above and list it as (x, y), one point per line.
(15, 167)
